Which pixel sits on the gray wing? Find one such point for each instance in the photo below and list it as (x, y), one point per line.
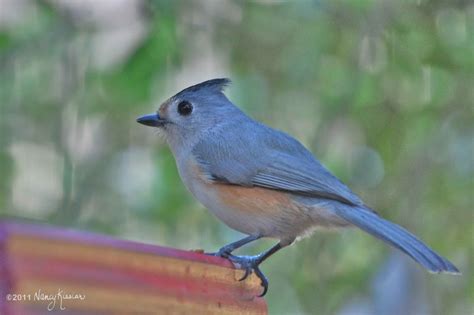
(264, 157)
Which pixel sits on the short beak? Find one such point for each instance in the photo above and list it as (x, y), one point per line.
(152, 120)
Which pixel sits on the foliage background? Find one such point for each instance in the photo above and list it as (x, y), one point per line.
(381, 91)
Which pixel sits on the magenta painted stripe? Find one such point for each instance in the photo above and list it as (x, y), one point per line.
(5, 276)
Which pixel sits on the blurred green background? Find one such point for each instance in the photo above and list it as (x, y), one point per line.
(381, 91)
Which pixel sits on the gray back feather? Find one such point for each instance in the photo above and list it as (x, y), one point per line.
(244, 152)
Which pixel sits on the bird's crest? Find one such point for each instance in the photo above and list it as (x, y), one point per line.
(214, 85)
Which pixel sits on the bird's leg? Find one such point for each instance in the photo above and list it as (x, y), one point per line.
(226, 250)
(251, 264)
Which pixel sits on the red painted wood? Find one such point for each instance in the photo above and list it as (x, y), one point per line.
(116, 276)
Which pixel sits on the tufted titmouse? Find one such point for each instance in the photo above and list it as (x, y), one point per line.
(262, 182)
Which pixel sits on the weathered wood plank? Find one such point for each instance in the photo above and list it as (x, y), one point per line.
(103, 275)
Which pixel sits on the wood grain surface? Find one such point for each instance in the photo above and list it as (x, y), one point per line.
(48, 270)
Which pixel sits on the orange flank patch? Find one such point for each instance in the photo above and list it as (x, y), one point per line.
(254, 200)
(249, 200)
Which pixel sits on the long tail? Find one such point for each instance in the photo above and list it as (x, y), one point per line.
(398, 237)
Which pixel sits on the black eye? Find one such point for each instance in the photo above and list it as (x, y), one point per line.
(185, 108)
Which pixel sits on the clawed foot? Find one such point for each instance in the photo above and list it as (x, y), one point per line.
(250, 264)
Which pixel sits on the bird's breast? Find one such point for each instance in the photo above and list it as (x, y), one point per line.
(250, 210)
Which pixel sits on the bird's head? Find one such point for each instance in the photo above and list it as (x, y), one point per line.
(185, 116)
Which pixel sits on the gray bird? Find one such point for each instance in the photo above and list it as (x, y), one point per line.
(262, 182)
